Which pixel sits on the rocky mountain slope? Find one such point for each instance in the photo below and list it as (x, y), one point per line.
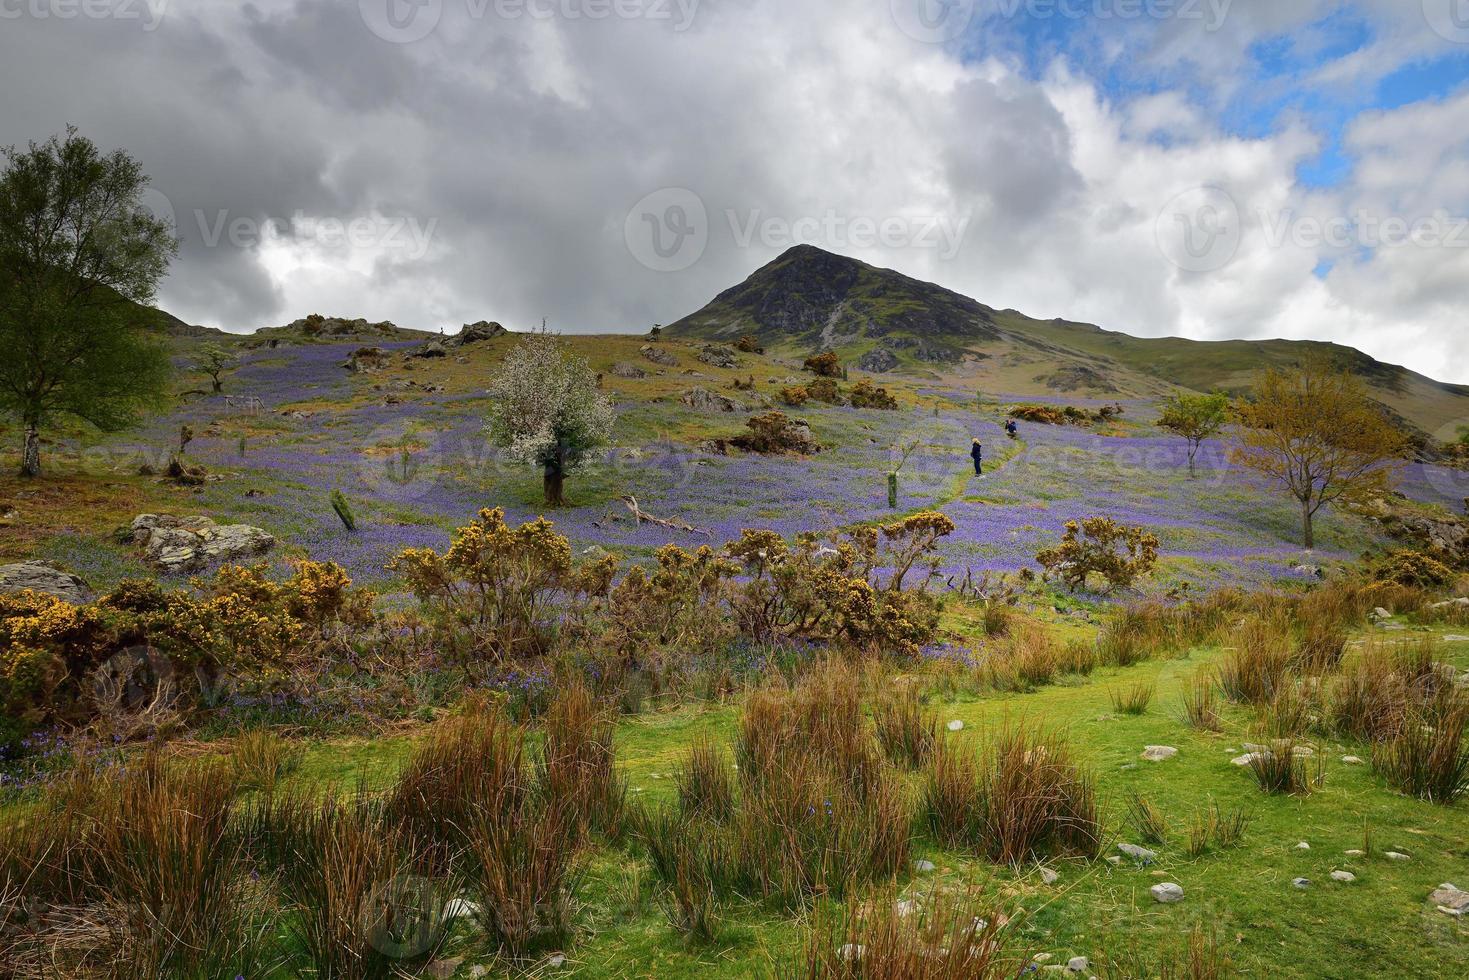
(810, 299)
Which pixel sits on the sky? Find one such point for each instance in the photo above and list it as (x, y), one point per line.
(1204, 168)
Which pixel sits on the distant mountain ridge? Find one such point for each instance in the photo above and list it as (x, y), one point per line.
(881, 320)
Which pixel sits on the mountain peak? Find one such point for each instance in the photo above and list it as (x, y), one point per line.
(822, 299)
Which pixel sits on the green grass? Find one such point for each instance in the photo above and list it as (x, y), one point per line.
(1378, 926)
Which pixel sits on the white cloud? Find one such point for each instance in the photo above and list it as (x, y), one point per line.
(525, 142)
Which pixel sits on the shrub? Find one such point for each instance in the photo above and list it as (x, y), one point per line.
(1029, 800)
(1429, 758)
(577, 764)
(362, 907)
(824, 365)
(953, 937)
(1412, 569)
(865, 394)
(825, 390)
(261, 758)
(1201, 957)
(1133, 700)
(1369, 698)
(772, 433)
(496, 584)
(1027, 658)
(906, 730)
(1147, 820)
(1278, 768)
(1077, 657)
(468, 762)
(749, 344)
(163, 856)
(1253, 670)
(705, 783)
(794, 396)
(1101, 546)
(522, 870)
(1201, 702)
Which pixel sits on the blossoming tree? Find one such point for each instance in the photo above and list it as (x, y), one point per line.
(547, 410)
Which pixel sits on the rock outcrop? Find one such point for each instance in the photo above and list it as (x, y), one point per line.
(879, 360)
(43, 576)
(658, 355)
(189, 544)
(704, 400)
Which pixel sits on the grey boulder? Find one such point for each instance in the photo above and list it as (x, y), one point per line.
(43, 576)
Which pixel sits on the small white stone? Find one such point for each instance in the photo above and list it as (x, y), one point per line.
(1167, 892)
(1078, 964)
(1351, 760)
(1158, 753)
(956, 725)
(1396, 856)
(923, 867)
(1303, 846)
(1355, 853)
(1042, 957)
(1343, 876)
(1246, 759)
(1049, 877)
(461, 908)
(1301, 883)
(557, 961)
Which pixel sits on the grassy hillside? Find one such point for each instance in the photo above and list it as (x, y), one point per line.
(809, 299)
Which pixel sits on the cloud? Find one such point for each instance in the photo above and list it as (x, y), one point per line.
(487, 168)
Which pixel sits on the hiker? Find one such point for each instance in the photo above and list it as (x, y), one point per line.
(1011, 428)
(976, 452)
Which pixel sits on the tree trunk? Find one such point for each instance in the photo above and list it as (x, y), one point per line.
(1193, 450)
(552, 484)
(1310, 533)
(30, 456)
(218, 386)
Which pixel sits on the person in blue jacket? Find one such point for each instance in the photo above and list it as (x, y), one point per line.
(976, 453)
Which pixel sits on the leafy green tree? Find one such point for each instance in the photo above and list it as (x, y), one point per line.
(547, 410)
(78, 255)
(1195, 418)
(1316, 433)
(214, 360)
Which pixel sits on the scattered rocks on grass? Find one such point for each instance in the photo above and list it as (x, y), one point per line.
(1138, 853)
(1379, 615)
(1158, 753)
(1167, 892)
(623, 369)
(43, 576)
(189, 544)
(1397, 856)
(1346, 877)
(1301, 883)
(1247, 759)
(1355, 853)
(658, 355)
(704, 400)
(1449, 899)
(1351, 760)
(1078, 964)
(717, 355)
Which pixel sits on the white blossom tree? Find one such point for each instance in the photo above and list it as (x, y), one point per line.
(547, 410)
